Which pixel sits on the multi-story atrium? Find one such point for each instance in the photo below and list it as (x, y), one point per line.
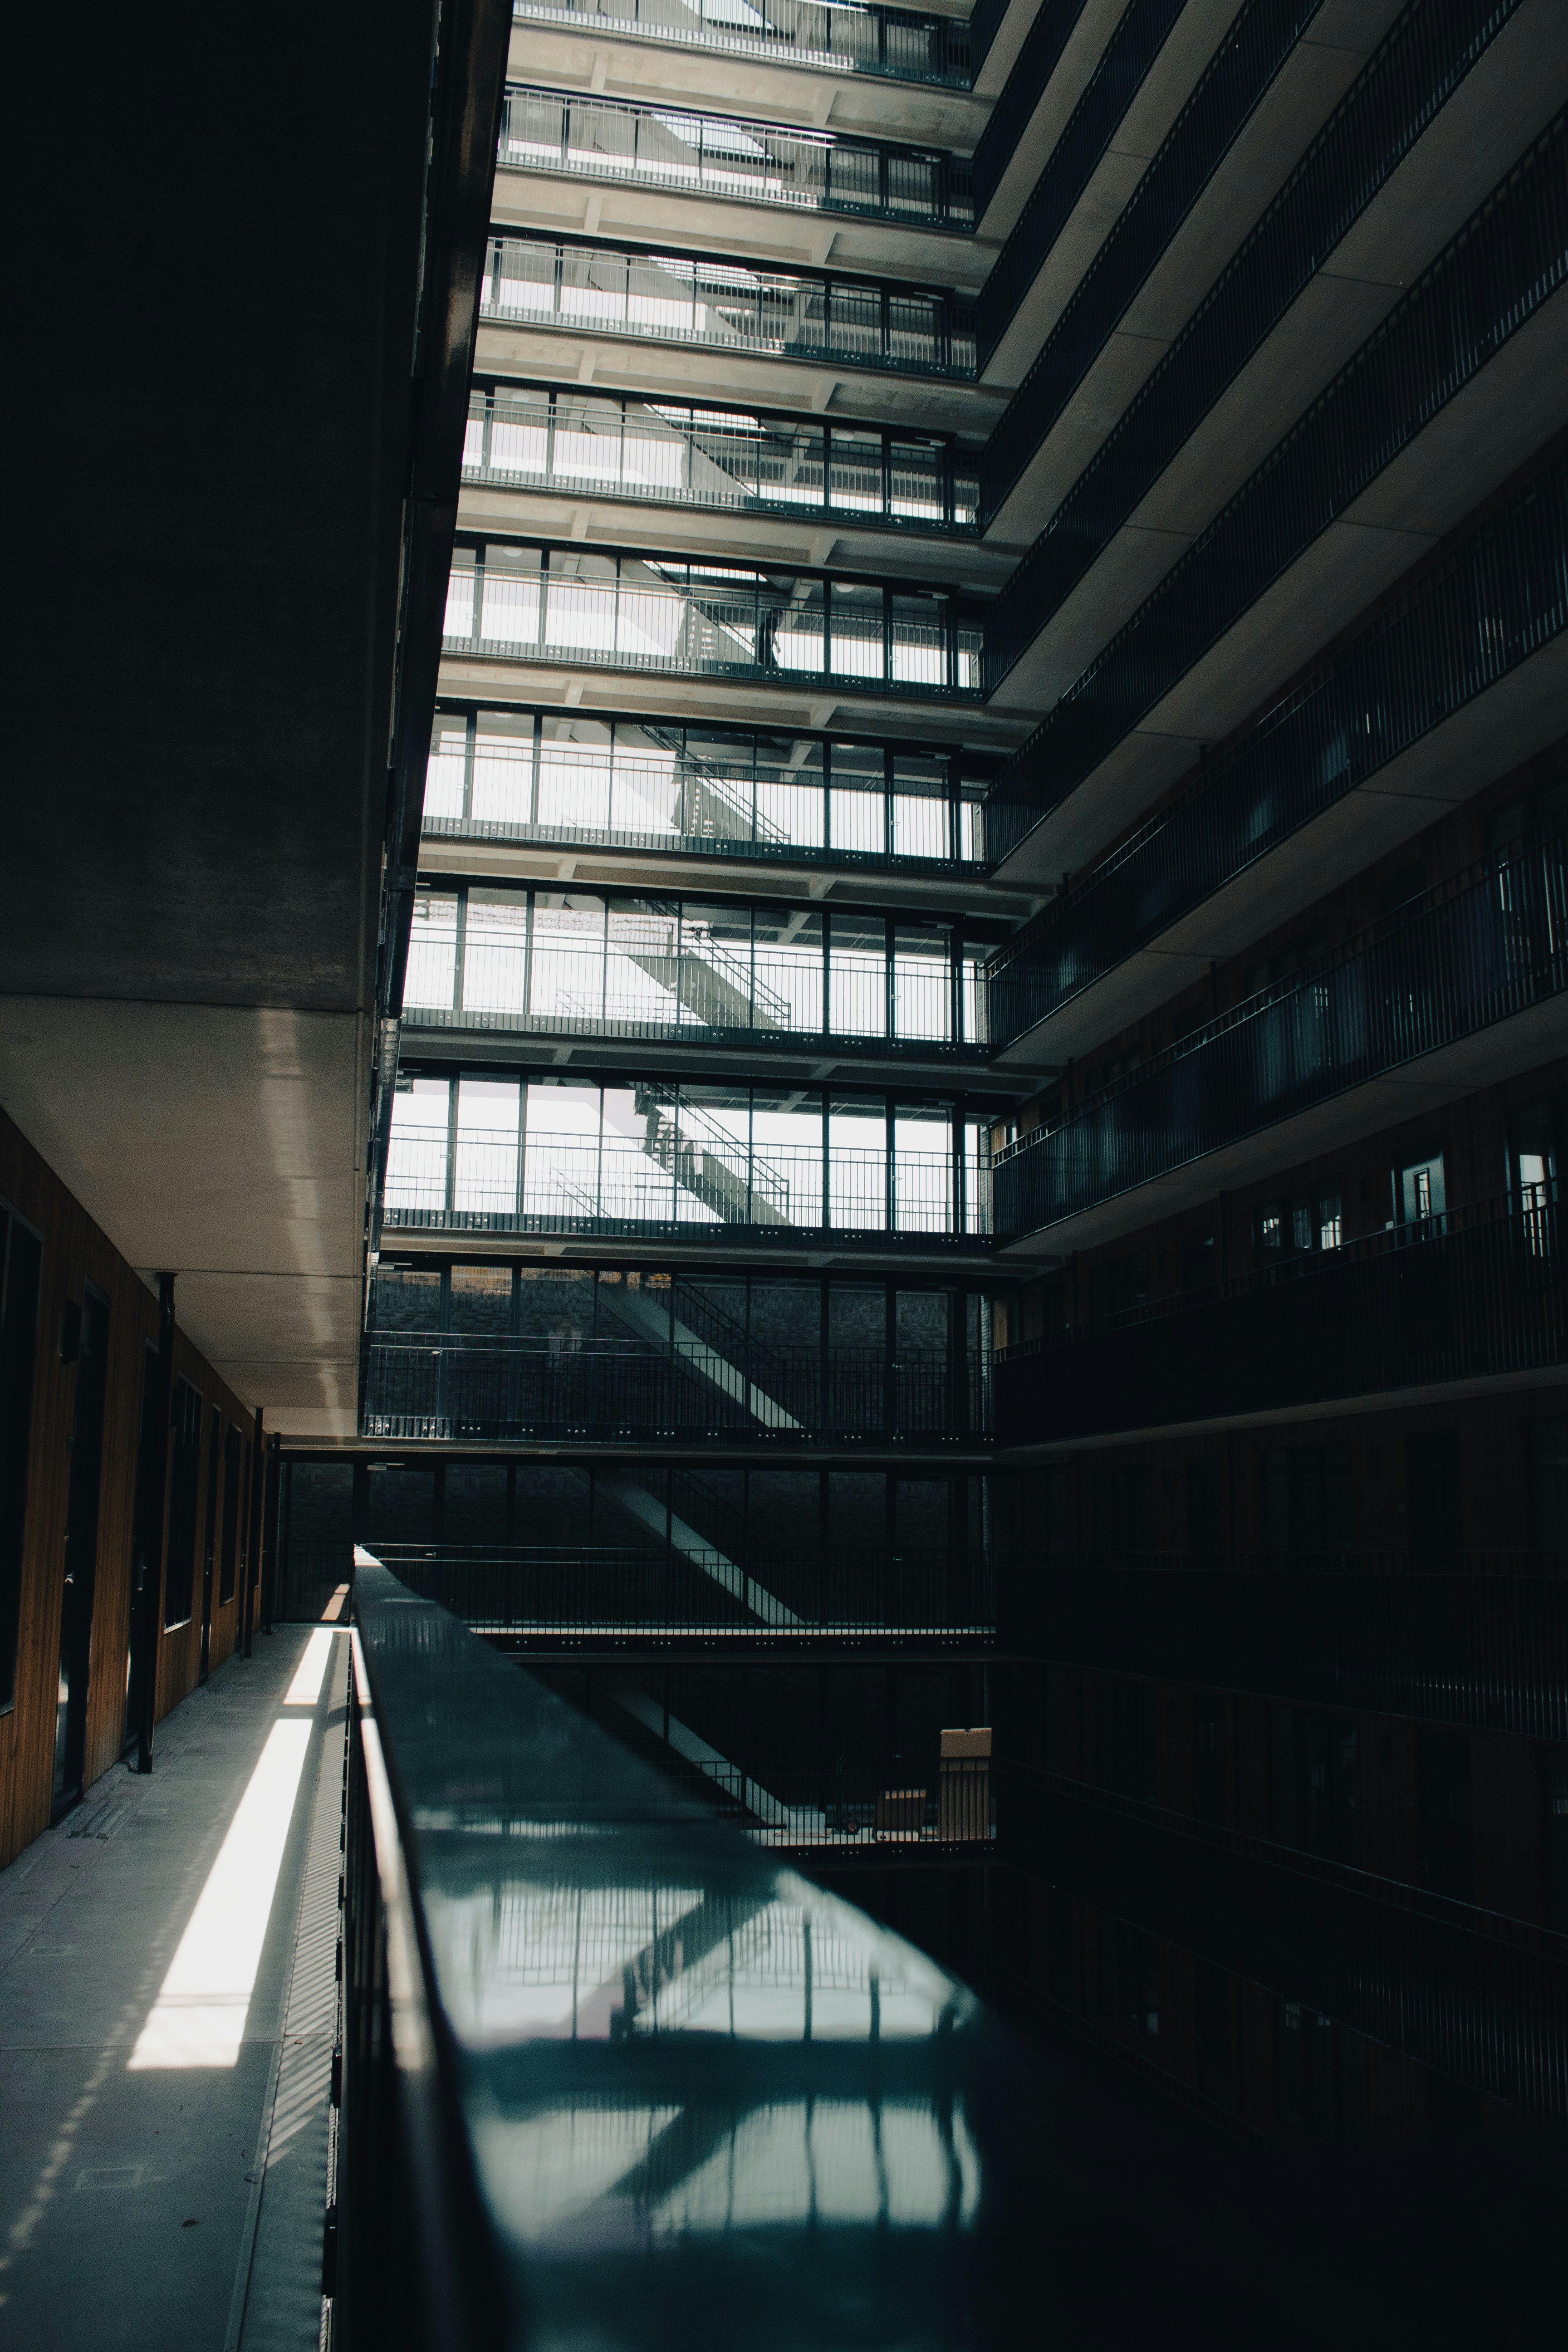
(797, 1118)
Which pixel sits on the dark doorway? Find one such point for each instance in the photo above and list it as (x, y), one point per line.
(85, 1329)
(146, 1541)
(209, 1540)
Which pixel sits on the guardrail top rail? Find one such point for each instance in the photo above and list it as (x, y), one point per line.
(608, 2071)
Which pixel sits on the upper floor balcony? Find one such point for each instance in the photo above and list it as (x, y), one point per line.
(1476, 952)
(559, 605)
(789, 1167)
(560, 779)
(1459, 1295)
(618, 1355)
(527, 437)
(840, 37)
(769, 978)
(715, 157)
(812, 317)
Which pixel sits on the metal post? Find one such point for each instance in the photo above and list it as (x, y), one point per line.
(253, 1538)
(150, 1595)
(269, 1533)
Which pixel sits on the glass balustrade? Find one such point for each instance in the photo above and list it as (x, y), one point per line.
(725, 306)
(525, 775)
(715, 155)
(842, 36)
(668, 455)
(1489, 942)
(575, 962)
(558, 1154)
(562, 605)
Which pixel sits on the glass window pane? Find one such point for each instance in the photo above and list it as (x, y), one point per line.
(561, 1163)
(787, 1130)
(417, 1152)
(482, 1300)
(431, 952)
(444, 778)
(495, 951)
(787, 992)
(504, 767)
(486, 1167)
(922, 1171)
(407, 1298)
(857, 1133)
(856, 631)
(859, 976)
(923, 994)
(566, 967)
(574, 775)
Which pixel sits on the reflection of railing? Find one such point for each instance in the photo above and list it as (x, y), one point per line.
(1488, 943)
(573, 793)
(633, 449)
(713, 155)
(877, 639)
(1472, 1295)
(609, 1591)
(422, 1385)
(602, 289)
(1474, 1639)
(894, 44)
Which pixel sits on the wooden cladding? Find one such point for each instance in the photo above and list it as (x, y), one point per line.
(73, 1312)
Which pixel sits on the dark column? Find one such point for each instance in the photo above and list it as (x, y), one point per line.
(150, 1594)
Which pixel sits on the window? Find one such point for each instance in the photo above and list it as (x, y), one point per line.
(1209, 1756)
(1126, 1746)
(1307, 1499)
(1546, 1485)
(1122, 1507)
(1118, 1284)
(1446, 1813)
(1206, 1504)
(1200, 1258)
(1129, 1977)
(1434, 1491)
(21, 1262)
(1532, 1151)
(1300, 1225)
(1419, 1194)
(1314, 1782)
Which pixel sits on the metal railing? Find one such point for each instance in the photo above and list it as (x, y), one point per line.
(421, 1385)
(1480, 1997)
(1417, 67)
(663, 455)
(717, 155)
(608, 1593)
(1479, 1640)
(1480, 615)
(684, 1183)
(1508, 258)
(1487, 943)
(668, 971)
(541, 1937)
(1473, 1294)
(1134, 43)
(853, 37)
(672, 298)
(866, 638)
(660, 791)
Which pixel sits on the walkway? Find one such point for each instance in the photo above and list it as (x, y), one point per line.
(167, 2006)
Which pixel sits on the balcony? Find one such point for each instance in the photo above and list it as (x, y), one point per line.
(1491, 280)
(781, 979)
(1487, 945)
(660, 615)
(692, 1391)
(741, 161)
(846, 37)
(1477, 1294)
(1480, 1997)
(694, 1164)
(661, 455)
(522, 776)
(1419, 63)
(604, 1596)
(685, 299)
(1471, 624)
(1480, 1641)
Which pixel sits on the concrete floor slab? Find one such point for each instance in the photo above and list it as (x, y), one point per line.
(133, 2197)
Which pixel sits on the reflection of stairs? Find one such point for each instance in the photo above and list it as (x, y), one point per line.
(699, 1155)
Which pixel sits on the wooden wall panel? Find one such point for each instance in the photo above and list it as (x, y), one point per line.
(76, 1250)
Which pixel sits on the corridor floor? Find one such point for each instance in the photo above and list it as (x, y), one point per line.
(167, 2005)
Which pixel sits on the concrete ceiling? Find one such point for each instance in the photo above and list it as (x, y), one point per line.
(214, 391)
